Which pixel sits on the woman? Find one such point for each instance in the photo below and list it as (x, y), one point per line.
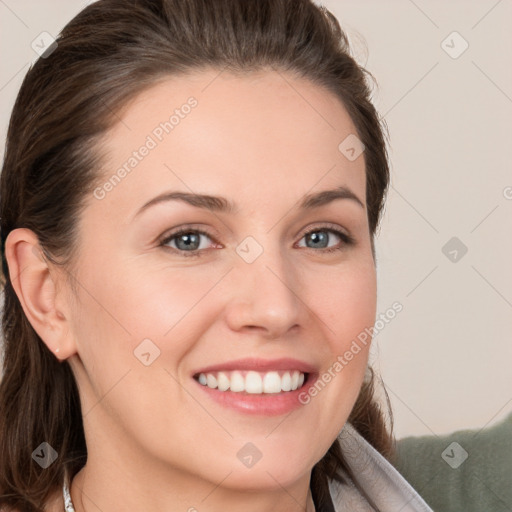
(189, 200)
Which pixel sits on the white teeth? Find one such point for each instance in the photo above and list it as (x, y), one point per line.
(286, 382)
(222, 381)
(237, 382)
(295, 380)
(253, 382)
(272, 383)
(211, 381)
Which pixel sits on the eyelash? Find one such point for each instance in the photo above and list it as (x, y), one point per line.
(347, 240)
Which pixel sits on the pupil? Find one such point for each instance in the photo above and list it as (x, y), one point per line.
(189, 240)
(318, 237)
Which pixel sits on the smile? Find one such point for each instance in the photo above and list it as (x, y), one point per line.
(262, 387)
(252, 382)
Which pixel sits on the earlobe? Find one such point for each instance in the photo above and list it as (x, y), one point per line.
(35, 286)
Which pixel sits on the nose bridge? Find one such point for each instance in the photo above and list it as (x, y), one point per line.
(265, 284)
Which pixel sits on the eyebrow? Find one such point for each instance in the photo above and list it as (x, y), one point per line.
(223, 205)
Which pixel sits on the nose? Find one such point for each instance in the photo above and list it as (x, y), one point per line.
(265, 296)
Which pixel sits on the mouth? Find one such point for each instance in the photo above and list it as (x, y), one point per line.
(257, 386)
(253, 382)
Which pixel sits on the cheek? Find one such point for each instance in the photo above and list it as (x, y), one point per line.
(132, 302)
(347, 310)
(125, 313)
(124, 306)
(346, 302)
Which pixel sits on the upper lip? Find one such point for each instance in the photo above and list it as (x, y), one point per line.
(259, 365)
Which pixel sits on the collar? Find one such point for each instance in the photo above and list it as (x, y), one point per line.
(385, 487)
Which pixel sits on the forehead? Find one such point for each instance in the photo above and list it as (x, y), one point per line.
(263, 136)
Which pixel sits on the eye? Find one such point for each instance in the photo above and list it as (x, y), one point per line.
(186, 240)
(320, 237)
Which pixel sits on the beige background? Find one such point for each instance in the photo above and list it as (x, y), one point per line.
(446, 358)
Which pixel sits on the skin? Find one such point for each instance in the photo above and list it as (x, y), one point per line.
(155, 440)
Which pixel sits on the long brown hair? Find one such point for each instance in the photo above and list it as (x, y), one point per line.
(110, 52)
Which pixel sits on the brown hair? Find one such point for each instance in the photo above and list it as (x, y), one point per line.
(110, 52)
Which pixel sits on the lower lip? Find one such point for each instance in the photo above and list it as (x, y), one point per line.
(266, 404)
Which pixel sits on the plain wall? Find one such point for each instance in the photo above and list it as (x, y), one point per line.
(446, 357)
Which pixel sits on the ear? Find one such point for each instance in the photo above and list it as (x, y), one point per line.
(35, 284)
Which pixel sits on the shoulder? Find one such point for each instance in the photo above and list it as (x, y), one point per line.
(460, 467)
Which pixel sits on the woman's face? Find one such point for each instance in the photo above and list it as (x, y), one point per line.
(244, 296)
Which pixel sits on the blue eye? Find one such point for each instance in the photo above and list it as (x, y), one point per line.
(187, 241)
(319, 237)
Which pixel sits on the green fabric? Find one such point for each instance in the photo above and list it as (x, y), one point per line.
(481, 483)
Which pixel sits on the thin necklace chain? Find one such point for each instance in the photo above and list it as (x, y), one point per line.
(68, 504)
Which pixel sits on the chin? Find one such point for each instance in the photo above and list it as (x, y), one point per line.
(271, 472)
(265, 479)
